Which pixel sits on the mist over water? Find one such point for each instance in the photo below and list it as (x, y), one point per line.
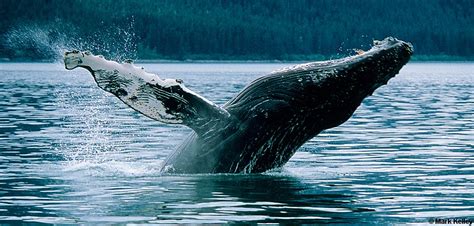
(51, 40)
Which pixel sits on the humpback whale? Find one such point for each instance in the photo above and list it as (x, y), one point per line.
(263, 125)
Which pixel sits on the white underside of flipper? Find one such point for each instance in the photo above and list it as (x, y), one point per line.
(164, 100)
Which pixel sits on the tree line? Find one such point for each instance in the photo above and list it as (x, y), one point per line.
(243, 29)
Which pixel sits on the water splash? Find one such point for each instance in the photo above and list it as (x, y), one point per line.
(85, 142)
(49, 41)
(118, 42)
(43, 41)
(88, 144)
(88, 126)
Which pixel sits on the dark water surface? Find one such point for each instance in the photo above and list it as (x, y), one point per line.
(70, 153)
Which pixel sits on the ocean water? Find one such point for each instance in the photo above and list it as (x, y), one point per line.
(71, 153)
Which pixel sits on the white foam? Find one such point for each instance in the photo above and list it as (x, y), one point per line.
(112, 168)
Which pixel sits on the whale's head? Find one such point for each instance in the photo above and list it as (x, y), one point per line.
(349, 80)
(377, 66)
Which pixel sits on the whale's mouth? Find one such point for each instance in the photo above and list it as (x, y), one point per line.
(383, 59)
(387, 57)
(391, 42)
(376, 66)
(389, 54)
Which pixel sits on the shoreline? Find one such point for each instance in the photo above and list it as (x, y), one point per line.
(189, 61)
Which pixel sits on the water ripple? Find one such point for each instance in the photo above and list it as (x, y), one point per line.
(69, 153)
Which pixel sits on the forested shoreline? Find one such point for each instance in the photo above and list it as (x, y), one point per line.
(296, 30)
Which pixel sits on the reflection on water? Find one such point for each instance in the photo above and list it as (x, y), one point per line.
(69, 153)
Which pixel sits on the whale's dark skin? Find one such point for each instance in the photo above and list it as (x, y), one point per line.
(277, 113)
(265, 124)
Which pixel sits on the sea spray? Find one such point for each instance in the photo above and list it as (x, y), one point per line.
(88, 144)
(114, 42)
(87, 127)
(38, 41)
(49, 41)
(85, 142)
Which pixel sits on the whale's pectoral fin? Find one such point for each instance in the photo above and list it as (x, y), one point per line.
(177, 104)
(167, 100)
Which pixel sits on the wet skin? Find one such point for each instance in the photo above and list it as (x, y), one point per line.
(264, 125)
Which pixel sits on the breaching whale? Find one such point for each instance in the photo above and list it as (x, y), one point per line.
(264, 125)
